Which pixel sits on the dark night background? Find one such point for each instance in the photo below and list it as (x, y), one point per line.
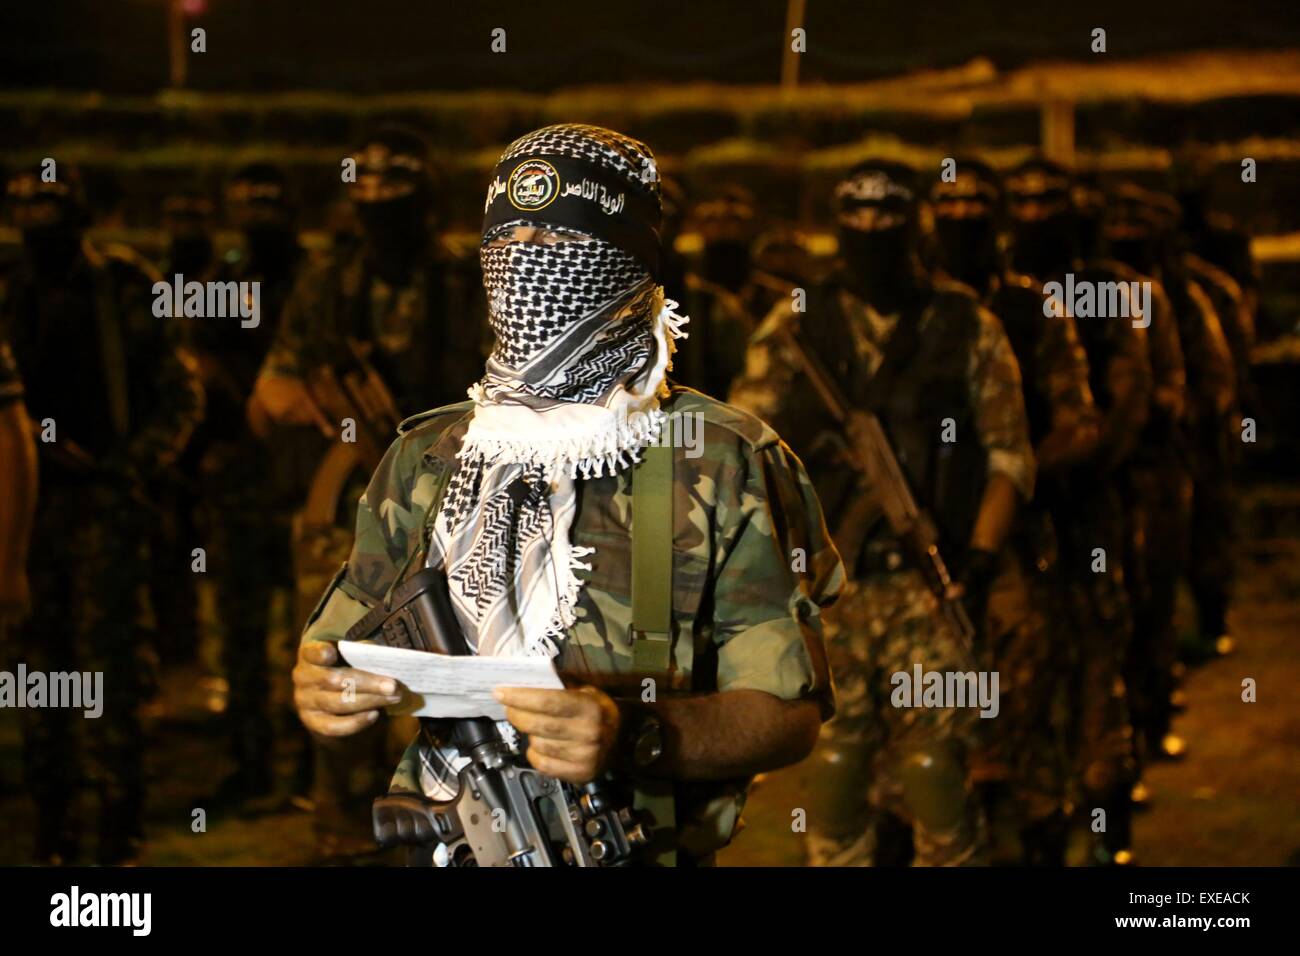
(403, 45)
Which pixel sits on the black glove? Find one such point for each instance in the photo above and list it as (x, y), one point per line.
(978, 569)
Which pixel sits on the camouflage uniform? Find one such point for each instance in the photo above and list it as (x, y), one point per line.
(887, 622)
(1212, 429)
(96, 360)
(1031, 636)
(11, 383)
(249, 490)
(1088, 514)
(1158, 498)
(1235, 317)
(1212, 563)
(745, 514)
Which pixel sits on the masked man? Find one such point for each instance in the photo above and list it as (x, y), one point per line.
(524, 498)
(1026, 770)
(249, 486)
(1053, 228)
(939, 374)
(115, 400)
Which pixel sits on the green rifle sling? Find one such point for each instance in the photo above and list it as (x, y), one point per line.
(652, 617)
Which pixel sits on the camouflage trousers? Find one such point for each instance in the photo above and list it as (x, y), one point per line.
(1027, 644)
(1159, 516)
(1092, 534)
(1211, 557)
(89, 613)
(248, 558)
(876, 761)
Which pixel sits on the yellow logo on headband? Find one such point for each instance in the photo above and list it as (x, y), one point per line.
(533, 185)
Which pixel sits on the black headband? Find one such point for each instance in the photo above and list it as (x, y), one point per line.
(564, 192)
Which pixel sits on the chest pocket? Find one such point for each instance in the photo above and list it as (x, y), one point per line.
(603, 642)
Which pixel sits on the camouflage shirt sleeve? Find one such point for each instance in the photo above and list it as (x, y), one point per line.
(11, 385)
(999, 404)
(1165, 354)
(1210, 360)
(768, 388)
(176, 401)
(776, 570)
(302, 324)
(1062, 369)
(1129, 382)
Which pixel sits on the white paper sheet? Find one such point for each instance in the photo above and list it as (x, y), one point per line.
(436, 685)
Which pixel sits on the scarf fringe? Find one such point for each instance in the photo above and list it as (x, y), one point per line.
(674, 321)
(591, 456)
(548, 643)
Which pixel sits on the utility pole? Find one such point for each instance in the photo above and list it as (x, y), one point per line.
(176, 46)
(790, 59)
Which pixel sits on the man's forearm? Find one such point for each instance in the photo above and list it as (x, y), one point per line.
(735, 733)
(18, 454)
(996, 514)
(1066, 445)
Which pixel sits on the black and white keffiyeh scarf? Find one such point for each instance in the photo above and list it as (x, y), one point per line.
(572, 390)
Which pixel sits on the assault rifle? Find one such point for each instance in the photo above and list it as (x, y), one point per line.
(873, 456)
(504, 813)
(351, 388)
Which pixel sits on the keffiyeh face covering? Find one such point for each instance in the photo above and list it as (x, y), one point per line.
(572, 388)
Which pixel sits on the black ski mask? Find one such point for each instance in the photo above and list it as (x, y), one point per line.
(879, 263)
(52, 250)
(393, 197)
(395, 232)
(272, 250)
(727, 262)
(190, 255)
(966, 209)
(1045, 239)
(1043, 247)
(258, 205)
(1135, 251)
(52, 218)
(968, 249)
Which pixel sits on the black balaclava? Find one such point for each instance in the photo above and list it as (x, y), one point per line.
(257, 203)
(879, 265)
(727, 226)
(393, 197)
(1049, 245)
(52, 218)
(967, 246)
(188, 219)
(1134, 230)
(1089, 201)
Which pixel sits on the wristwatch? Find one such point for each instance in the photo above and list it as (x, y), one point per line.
(641, 737)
